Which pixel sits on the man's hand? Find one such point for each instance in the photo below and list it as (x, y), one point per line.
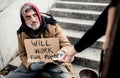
(37, 66)
(58, 55)
(68, 56)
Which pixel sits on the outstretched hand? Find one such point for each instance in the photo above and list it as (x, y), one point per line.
(68, 56)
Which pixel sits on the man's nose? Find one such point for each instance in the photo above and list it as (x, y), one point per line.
(33, 18)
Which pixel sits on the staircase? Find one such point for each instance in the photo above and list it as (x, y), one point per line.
(76, 17)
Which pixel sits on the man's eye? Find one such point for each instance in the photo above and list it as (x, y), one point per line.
(27, 18)
(35, 15)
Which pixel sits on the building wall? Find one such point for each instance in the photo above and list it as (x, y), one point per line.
(10, 22)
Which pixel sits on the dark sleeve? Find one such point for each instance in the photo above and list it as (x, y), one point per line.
(114, 3)
(94, 33)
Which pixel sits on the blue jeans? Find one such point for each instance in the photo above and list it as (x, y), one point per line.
(54, 71)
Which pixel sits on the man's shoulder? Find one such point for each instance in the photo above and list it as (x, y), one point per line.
(19, 30)
(48, 18)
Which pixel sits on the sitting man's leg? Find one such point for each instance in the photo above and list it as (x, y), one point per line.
(43, 74)
(21, 72)
(59, 71)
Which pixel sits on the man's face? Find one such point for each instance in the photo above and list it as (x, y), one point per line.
(31, 19)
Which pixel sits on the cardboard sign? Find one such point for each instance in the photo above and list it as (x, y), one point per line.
(41, 49)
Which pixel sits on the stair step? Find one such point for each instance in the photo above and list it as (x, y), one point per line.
(81, 5)
(16, 61)
(99, 1)
(78, 14)
(74, 36)
(75, 24)
(89, 57)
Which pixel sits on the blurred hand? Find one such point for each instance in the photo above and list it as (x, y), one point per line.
(37, 66)
(60, 53)
(68, 56)
(106, 44)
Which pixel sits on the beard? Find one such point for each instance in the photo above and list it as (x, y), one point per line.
(34, 27)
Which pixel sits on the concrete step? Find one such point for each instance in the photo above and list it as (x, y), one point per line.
(99, 1)
(74, 36)
(75, 24)
(81, 5)
(89, 57)
(78, 14)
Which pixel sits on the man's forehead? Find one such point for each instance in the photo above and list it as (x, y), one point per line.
(30, 12)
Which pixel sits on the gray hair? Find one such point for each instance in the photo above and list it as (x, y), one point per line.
(25, 9)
